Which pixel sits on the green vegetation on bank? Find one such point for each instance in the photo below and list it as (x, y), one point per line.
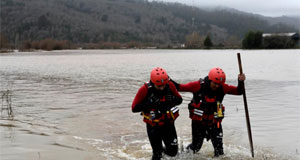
(252, 40)
(258, 40)
(207, 42)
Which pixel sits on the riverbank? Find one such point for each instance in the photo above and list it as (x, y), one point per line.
(6, 50)
(139, 48)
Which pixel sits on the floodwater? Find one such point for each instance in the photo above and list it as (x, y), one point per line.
(77, 104)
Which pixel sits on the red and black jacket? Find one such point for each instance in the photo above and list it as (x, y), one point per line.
(165, 112)
(205, 101)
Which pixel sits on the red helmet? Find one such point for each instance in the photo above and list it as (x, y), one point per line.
(217, 75)
(159, 76)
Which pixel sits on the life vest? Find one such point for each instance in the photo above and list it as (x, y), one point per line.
(206, 105)
(161, 114)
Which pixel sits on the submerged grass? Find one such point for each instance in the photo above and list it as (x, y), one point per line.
(7, 103)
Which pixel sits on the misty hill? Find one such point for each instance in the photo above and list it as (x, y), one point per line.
(292, 21)
(94, 21)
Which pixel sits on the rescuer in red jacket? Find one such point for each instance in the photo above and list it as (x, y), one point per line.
(157, 101)
(206, 109)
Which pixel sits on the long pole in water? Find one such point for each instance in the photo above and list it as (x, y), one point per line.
(246, 106)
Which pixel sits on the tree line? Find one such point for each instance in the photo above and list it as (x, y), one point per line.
(255, 40)
(122, 24)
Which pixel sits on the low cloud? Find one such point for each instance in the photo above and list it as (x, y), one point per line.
(266, 7)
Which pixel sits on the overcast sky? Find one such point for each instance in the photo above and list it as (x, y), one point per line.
(272, 8)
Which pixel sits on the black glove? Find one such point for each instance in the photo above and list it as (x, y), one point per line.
(152, 99)
(170, 98)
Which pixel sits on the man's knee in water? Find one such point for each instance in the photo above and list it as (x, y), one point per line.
(219, 152)
(171, 151)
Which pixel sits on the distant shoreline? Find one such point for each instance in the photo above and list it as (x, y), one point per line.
(5, 51)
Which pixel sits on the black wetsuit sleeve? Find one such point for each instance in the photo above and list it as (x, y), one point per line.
(177, 100)
(177, 97)
(175, 83)
(141, 107)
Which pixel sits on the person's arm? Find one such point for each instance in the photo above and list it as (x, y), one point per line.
(137, 104)
(177, 99)
(190, 87)
(175, 84)
(229, 89)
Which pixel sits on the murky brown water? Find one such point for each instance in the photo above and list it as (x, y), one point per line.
(77, 104)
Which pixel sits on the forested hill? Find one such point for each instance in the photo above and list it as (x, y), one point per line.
(94, 21)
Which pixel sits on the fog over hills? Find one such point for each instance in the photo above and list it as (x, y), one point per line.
(268, 8)
(94, 21)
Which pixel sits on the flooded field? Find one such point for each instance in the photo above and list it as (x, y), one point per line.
(77, 104)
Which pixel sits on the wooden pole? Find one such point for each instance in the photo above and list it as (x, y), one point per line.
(246, 107)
